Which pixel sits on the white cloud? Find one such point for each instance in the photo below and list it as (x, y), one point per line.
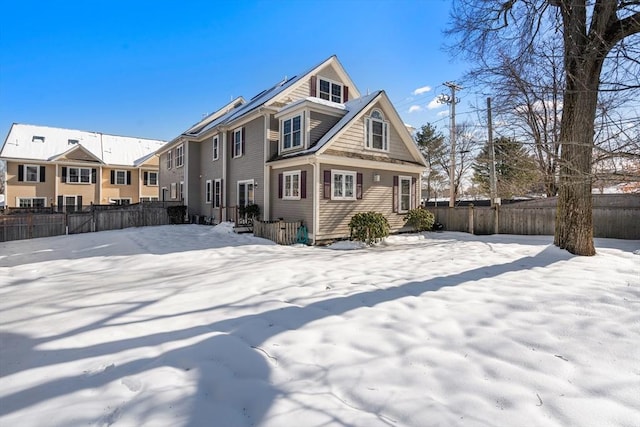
(421, 90)
(443, 113)
(415, 108)
(434, 104)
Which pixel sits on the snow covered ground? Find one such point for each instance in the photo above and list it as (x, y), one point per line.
(196, 326)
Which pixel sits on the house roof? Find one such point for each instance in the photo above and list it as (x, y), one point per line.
(109, 149)
(261, 99)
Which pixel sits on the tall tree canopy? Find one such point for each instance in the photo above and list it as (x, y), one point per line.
(592, 32)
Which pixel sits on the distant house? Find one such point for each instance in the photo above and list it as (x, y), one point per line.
(309, 148)
(69, 169)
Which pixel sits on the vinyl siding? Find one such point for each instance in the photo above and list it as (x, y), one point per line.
(109, 191)
(195, 182)
(148, 190)
(353, 141)
(168, 176)
(319, 124)
(274, 136)
(248, 166)
(328, 72)
(210, 170)
(15, 188)
(293, 210)
(376, 196)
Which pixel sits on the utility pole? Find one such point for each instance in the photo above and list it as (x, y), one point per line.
(492, 175)
(452, 101)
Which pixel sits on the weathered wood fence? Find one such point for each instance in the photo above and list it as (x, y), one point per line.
(615, 222)
(19, 226)
(283, 233)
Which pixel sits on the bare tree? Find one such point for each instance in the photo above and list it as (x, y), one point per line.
(467, 143)
(591, 33)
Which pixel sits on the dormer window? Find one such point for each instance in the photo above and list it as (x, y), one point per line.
(292, 133)
(329, 90)
(377, 132)
(72, 141)
(37, 138)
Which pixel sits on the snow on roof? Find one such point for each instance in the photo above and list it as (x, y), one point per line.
(45, 143)
(314, 100)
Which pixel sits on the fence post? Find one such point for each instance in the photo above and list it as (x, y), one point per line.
(496, 219)
(471, 218)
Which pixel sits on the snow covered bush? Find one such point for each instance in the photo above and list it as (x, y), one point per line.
(368, 227)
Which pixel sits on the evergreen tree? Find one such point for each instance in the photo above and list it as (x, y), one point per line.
(516, 171)
(431, 143)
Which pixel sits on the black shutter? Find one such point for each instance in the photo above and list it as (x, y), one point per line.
(128, 178)
(312, 86)
(63, 178)
(94, 174)
(42, 168)
(327, 184)
(358, 186)
(345, 93)
(20, 172)
(221, 191)
(113, 177)
(280, 183)
(303, 184)
(395, 193)
(79, 201)
(242, 136)
(60, 202)
(146, 178)
(412, 202)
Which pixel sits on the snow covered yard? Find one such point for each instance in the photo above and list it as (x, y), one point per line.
(195, 326)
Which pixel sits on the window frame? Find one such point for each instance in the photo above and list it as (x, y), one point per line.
(288, 189)
(169, 159)
(217, 193)
(117, 176)
(237, 142)
(149, 174)
(292, 132)
(180, 156)
(208, 191)
(344, 174)
(19, 201)
(119, 201)
(26, 173)
(79, 175)
(330, 94)
(145, 199)
(215, 144)
(368, 137)
(181, 190)
(173, 194)
(402, 178)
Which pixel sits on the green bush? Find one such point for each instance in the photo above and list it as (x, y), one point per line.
(251, 211)
(420, 219)
(176, 214)
(368, 227)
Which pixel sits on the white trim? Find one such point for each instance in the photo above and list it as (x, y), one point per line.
(245, 181)
(24, 171)
(181, 191)
(149, 177)
(115, 177)
(368, 131)
(173, 194)
(180, 156)
(215, 147)
(218, 193)
(31, 199)
(80, 169)
(352, 174)
(291, 174)
(331, 84)
(399, 207)
(115, 200)
(169, 161)
(302, 132)
(208, 191)
(234, 151)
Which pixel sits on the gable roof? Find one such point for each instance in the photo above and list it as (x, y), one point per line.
(267, 95)
(354, 110)
(108, 149)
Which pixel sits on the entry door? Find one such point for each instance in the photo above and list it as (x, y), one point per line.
(245, 193)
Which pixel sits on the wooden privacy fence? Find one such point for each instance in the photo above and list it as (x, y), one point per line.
(34, 225)
(616, 222)
(283, 233)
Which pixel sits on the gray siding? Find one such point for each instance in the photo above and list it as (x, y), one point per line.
(250, 165)
(168, 176)
(193, 184)
(319, 124)
(376, 196)
(293, 210)
(210, 170)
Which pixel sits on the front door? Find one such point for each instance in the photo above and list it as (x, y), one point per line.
(245, 197)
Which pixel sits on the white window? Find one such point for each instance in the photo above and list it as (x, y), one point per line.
(31, 202)
(31, 173)
(151, 178)
(179, 156)
(169, 159)
(207, 191)
(343, 185)
(148, 199)
(330, 90)
(121, 178)
(237, 142)
(173, 194)
(181, 190)
(120, 202)
(404, 199)
(79, 175)
(216, 148)
(217, 193)
(292, 133)
(291, 184)
(69, 202)
(377, 132)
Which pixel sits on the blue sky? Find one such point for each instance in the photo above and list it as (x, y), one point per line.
(153, 68)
